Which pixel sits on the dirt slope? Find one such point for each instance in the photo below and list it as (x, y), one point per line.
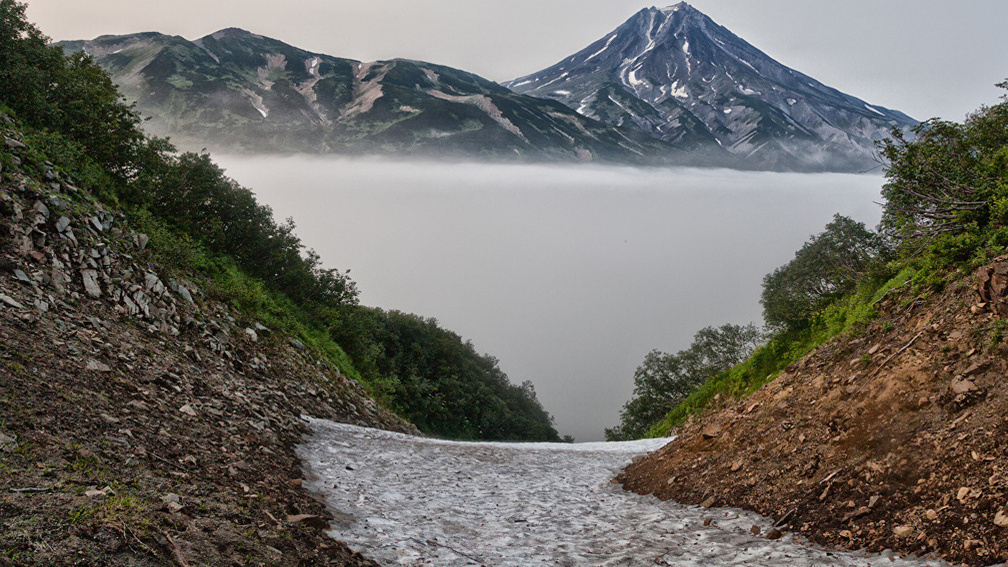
(141, 422)
(896, 438)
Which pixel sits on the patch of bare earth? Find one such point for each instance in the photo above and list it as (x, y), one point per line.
(894, 438)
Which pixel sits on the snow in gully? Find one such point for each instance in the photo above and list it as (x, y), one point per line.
(405, 500)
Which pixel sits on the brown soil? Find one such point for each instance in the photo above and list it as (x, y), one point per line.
(161, 436)
(894, 438)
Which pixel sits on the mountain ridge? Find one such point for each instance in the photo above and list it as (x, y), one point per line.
(242, 91)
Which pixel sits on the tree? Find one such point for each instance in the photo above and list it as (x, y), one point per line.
(949, 178)
(70, 96)
(663, 380)
(828, 266)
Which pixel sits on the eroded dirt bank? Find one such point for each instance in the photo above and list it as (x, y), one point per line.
(894, 438)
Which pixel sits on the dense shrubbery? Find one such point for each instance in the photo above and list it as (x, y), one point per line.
(71, 96)
(947, 189)
(441, 384)
(663, 380)
(202, 222)
(827, 267)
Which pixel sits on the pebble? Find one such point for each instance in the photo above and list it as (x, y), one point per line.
(903, 531)
(97, 366)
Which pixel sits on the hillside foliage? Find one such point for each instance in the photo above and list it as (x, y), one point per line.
(945, 211)
(663, 381)
(203, 223)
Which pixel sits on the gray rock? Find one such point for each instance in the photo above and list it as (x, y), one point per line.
(261, 329)
(58, 277)
(153, 283)
(97, 366)
(62, 224)
(97, 224)
(172, 502)
(10, 301)
(22, 277)
(182, 291)
(42, 209)
(297, 344)
(91, 286)
(131, 308)
(14, 144)
(251, 334)
(142, 241)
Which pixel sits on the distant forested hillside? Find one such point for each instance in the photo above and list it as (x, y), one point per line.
(201, 222)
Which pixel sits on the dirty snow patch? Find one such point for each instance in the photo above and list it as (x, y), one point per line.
(405, 500)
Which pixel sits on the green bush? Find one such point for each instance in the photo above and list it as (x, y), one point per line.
(663, 381)
(827, 267)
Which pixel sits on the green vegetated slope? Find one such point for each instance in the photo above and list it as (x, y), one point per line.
(945, 213)
(241, 91)
(201, 222)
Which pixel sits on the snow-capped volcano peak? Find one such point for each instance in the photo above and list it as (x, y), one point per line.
(681, 6)
(678, 75)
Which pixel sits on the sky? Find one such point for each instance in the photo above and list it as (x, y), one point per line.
(926, 58)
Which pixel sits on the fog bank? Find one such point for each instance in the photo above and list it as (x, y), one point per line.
(569, 275)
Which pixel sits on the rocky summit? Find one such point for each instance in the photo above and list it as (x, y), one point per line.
(680, 77)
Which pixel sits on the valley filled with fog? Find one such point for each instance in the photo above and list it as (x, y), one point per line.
(568, 274)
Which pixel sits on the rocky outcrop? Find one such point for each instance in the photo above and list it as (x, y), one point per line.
(141, 423)
(890, 438)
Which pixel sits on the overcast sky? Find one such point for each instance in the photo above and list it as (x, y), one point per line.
(924, 57)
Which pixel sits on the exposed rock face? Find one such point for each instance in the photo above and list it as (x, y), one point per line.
(138, 424)
(893, 438)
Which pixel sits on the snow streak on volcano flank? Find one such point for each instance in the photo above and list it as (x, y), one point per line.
(679, 76)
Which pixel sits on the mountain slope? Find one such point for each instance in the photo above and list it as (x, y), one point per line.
(243, 91)
(677, 75)
(145, 421)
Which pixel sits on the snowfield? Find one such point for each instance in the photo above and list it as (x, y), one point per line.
(405, 500)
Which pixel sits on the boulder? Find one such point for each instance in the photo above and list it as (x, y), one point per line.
(90, 278)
